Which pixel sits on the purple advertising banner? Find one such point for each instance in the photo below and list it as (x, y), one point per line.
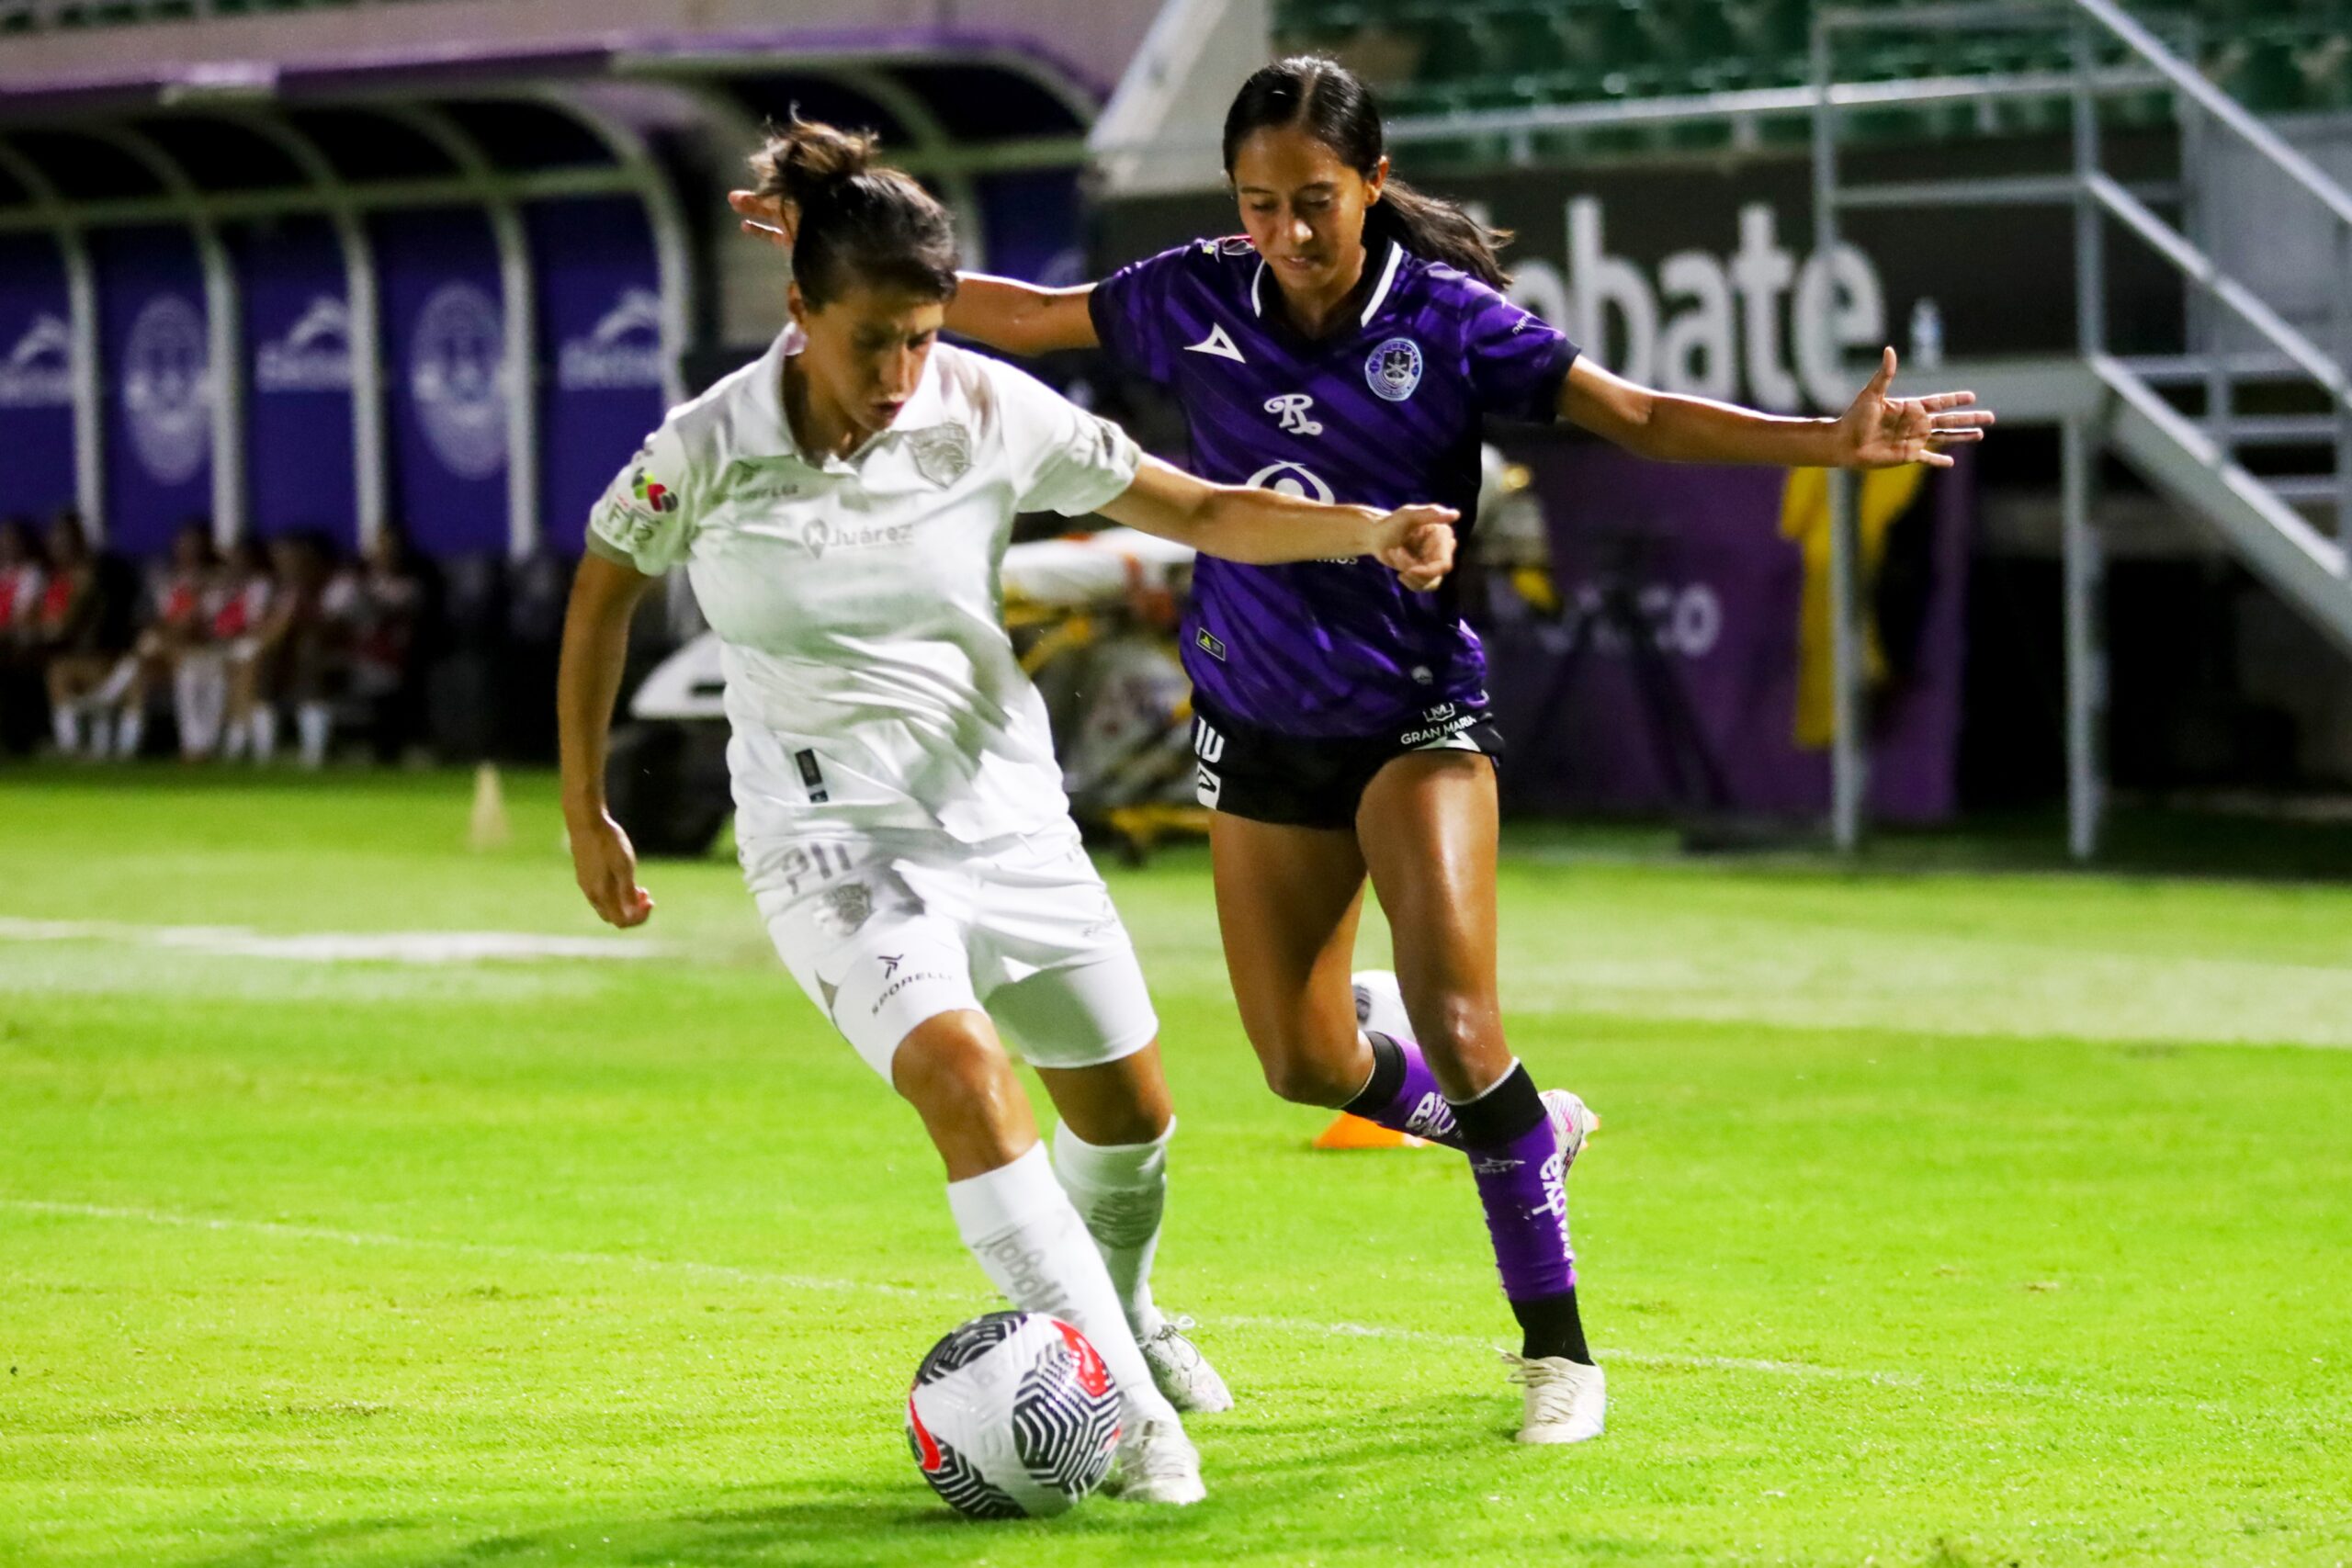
(600, 328)
(154, 343)
(297, 332)
(36, 378)
(1684, 667)
(444, 338)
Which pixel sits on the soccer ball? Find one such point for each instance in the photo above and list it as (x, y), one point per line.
(1012, 1414)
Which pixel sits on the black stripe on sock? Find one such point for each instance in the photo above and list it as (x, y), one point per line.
(1387, 1078)
(1509, 1110)
(1551, 1326)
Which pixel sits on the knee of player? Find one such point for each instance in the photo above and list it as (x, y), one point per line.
(1456, 1025)
(953, 1068)
(1310, 1077)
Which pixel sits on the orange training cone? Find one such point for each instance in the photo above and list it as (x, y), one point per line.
(1355, 1133)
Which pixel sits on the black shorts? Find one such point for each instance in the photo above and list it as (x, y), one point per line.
(1304, 780)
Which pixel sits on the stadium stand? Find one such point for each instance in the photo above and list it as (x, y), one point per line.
(40, 16)
(1433, 57)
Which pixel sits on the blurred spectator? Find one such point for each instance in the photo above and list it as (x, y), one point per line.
(392, 607)
(240, 606)
(80, 630)
(22, 577)
(166, 652)
(301, 651)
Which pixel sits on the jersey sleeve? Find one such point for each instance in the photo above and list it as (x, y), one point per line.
(644, 518)
(1131, 314)
(1062, 458)
(1514, 359)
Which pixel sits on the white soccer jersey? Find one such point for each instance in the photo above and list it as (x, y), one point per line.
(870, 683)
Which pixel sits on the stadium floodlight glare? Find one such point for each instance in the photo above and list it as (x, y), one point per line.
(222, 81)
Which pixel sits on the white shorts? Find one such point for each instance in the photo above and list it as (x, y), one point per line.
(885, 930)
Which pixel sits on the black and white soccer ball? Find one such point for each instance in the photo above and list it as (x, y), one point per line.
(1012, 1414)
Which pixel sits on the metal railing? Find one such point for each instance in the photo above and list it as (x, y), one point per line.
(2261, 520)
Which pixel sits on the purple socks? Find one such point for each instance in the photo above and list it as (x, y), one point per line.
(1524, 1188)
(1521, 1172)
(1403, 1095)
(1516, 1159)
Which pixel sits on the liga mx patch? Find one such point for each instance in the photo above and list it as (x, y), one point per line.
(1393, 369)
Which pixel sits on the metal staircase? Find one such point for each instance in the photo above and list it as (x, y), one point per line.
(2249, 431)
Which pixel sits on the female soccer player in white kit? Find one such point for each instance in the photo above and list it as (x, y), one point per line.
(842, 506)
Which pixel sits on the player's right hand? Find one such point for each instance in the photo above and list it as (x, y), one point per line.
(765, 218)
(1417, 543)
(605, 863)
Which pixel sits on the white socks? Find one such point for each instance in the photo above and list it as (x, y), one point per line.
(1120, 1191)
(200, 696)
(1034, 1247)
(264, 731)
(315, 723)
(66, 726)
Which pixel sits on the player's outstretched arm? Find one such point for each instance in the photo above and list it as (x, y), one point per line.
(595, 641)
(1877, 431)
(1264, 527)
(1003, 312)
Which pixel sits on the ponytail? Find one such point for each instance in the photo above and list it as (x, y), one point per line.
(1325, 99)
(858, 221)
(1438, 231)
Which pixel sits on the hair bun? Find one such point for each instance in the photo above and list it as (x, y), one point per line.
(805, 159)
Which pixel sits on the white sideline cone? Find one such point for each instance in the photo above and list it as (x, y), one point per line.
(489, 829)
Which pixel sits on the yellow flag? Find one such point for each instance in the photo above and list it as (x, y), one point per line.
(1886, 494)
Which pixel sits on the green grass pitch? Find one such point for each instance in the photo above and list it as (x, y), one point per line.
(1943, 1216)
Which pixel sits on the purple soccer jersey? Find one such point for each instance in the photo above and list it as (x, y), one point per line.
(1386, 411)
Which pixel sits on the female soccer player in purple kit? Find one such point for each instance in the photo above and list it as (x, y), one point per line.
(1350, 347)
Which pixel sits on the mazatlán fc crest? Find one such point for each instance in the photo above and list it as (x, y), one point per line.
(1395, 368)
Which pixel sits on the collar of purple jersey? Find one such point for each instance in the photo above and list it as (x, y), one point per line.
(926, 410)
(1389, 266)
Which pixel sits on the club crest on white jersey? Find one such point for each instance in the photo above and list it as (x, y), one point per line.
(1291, 408)
(941, 455)
(1216, 343)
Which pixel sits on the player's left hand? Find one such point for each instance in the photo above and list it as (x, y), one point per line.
(1881, 432)
(1417, 543)
(769, 218)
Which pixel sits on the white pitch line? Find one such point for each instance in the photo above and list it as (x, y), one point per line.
(738, 1276)
(338, 947)
(469, 1248)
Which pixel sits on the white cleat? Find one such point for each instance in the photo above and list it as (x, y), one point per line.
(1156, 1463)
(1567, 1402)
(1181, 1373)
(1380, 1005)
(1572, 1119)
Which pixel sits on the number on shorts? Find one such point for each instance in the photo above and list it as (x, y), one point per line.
(823, 862)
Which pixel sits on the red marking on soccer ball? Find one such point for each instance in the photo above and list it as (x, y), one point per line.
(1092, 1375)
(923, 1439)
